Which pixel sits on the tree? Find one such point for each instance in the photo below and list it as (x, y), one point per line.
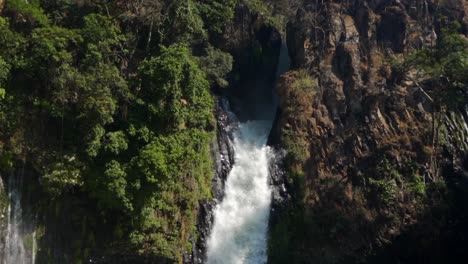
(217, 65)
(184, 24)
(440, 73)
(103, 40)
(4, 72)
(217, 13)
(443, 66)
(176, 90)
(29, 9)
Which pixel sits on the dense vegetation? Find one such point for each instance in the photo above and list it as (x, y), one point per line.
(110, 103)
(107, 101)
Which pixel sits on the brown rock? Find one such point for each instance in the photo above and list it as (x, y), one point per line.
(359, 115)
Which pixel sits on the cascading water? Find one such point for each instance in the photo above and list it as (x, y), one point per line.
(14, 251)
(239, 233)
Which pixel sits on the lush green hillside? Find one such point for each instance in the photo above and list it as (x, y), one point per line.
(107, 114)
(108, 104)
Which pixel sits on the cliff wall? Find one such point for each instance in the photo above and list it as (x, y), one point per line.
(367, 182)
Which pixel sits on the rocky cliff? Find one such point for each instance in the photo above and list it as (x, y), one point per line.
(367, 181)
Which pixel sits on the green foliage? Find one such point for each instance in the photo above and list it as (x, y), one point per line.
(216, 64)
(62, 176)
(6, 160)
(412, 180)
(176, 90)
(262, 8)
(104, 87)
(11, 44)
(4, 72)
(155, 160)
(121, 130)
(93, 139)
(103, 39)
(386, 190)
(258, 6)
(296, 146)
(172, 169)
(445, 65)
(217, 13)
(304, 81)
(50, 48)
(30, 9)
(390, 180)
(184, 25)
(383, 186)
(304, 88)
(100, 29)
(115, 142)
(417, 185)
(114, 193)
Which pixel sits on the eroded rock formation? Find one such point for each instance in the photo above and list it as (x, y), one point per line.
(359, 138)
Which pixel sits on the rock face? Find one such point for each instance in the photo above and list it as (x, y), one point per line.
(360, 162)
(255, 46)
(227, 123)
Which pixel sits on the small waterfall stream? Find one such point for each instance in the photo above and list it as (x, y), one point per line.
(15, 249)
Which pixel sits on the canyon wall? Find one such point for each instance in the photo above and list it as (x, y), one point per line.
(365, 179)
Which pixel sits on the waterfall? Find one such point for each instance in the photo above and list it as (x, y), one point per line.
(34, 247)
(239, 233)
(240, 228)
(14, 251)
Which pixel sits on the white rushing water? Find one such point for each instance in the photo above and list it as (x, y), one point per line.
(239, 234)
(14, 251)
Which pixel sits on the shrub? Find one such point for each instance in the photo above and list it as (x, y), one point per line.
(31, 9)
(216, 64)
(304, 81)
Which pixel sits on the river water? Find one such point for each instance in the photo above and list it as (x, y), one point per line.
(239, 233)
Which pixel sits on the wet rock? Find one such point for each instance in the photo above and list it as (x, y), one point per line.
(278, 182)
(223, 154)
(204, 225)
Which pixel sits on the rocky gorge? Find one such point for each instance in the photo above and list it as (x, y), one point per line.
(367, 167)
(367, 182)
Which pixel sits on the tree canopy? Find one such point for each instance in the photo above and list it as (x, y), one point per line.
(106, 100)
